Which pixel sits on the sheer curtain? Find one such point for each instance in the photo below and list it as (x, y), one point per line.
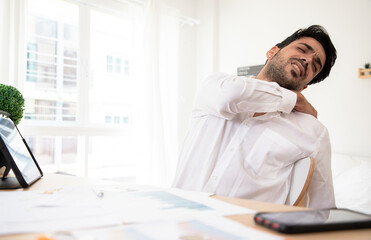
(11, 42)
(158, 138)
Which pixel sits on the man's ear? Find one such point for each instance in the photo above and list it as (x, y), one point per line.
(272, 52)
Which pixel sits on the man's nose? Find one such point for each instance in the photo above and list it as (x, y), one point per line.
(307, 59)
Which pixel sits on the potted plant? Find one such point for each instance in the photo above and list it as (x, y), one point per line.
(12, 102)
(367, 70)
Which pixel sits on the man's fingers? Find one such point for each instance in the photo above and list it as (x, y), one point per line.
(302, 105)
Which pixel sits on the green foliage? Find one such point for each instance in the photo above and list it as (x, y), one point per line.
(12, 102)
(367, 65)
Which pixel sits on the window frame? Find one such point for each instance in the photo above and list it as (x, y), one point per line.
(81, 128)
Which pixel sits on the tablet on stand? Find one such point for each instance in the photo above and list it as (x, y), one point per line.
(16, 156)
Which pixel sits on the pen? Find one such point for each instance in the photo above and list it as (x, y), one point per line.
(100, 194)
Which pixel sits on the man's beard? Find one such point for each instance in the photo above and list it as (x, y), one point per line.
(276, 73)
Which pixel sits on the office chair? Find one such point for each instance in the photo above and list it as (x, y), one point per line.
(300, 178)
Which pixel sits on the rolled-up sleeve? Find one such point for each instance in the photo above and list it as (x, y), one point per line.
(227, 95)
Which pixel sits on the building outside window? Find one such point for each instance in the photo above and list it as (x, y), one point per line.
(71, 81)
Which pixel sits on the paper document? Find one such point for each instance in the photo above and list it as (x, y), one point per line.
(53, 210)
(79, 207)
(198, 228)
(159, 204)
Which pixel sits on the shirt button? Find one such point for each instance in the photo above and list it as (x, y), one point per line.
(232, 150)
(215, 178)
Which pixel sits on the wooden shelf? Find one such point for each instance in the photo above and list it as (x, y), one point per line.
(364, 73)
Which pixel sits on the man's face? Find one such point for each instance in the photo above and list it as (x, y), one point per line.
(295, 65)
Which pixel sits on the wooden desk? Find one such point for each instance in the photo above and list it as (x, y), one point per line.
(55, 180)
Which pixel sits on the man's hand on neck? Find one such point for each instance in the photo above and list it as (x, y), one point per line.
(302, 105)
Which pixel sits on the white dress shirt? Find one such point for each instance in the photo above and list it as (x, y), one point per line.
(229, 152)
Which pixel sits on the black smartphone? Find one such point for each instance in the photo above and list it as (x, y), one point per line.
(317, 220)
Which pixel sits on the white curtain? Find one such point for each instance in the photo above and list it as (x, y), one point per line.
(11, 42)
(158, 141)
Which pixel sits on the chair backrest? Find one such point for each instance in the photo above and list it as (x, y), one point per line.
(300, 178)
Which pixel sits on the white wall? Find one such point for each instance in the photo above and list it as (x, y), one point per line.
(239, 32)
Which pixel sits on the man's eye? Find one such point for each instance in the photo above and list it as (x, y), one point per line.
(301, 50)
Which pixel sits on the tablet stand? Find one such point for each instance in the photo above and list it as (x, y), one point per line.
(7, 182)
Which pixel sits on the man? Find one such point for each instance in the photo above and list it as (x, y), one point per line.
(246, 133)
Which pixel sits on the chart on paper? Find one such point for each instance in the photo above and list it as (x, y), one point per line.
(171, 201)
(193, 229)
(162, 204)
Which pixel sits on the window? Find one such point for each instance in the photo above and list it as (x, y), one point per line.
(121, 65)
(51, 74)
(31, 62)
(118, 65)
(125, 120)
(117, 120)
(127, 67)
(78, 74)
(109, 64)
(108, 119)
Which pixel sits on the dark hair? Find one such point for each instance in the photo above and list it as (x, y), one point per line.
(320, 34)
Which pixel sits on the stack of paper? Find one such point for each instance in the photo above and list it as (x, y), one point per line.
(131, 211)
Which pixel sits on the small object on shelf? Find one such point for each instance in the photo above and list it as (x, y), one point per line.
(364, 73)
